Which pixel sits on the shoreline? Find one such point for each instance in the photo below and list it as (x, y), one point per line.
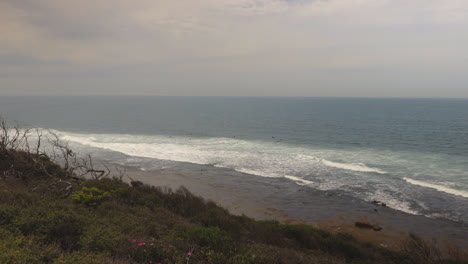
(279, 199)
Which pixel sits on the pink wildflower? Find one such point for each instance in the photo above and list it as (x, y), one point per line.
(164, 249)
(189, 254)
(141, 244)
(133, 240)
(152, 244)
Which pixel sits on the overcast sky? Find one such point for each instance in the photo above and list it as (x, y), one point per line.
(359, 48)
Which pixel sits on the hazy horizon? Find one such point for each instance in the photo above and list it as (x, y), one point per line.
(261, 48)
(231, 96)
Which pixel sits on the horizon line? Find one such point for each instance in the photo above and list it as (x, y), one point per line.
(232, 96)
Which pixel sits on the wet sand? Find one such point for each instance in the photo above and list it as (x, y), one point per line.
(282, 200)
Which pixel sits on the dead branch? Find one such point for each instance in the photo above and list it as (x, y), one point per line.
(14, 139)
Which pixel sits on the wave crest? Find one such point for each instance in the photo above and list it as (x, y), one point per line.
(437, 187)
(359, 167)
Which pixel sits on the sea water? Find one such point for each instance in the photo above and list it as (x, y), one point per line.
(411, 154)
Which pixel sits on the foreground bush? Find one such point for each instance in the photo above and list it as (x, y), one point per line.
(90, 196)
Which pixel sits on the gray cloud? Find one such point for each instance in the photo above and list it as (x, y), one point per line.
(235, 47)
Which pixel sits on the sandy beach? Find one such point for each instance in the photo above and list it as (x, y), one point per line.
(276, 198)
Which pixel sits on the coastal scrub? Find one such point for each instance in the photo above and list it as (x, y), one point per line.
(50, 215)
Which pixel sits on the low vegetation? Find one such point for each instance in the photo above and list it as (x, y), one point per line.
(50, 215)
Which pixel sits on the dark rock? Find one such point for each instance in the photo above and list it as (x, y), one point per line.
(367, 225)
(362, 224)
(379, 203)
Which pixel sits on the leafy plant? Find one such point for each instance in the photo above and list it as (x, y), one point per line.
(90, 196)
(211, 237)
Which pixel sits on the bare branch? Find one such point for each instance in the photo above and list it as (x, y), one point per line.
(14, 140)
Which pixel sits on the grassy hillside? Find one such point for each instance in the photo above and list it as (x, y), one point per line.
(48, 215)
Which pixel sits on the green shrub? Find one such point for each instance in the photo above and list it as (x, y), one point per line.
(101, 239)
(305, 235)
(28, 166)
(21, 250)
(62, 227)
(13, 253)
(90, 196)
(243, 258)
(211, 237)
(156, 251)
(107, 184)
(216, 216)
(337, 246)
(7, 214)
(268, 232)
(6, 233)
(83, 258)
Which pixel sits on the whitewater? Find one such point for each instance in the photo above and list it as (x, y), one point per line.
(319, 168)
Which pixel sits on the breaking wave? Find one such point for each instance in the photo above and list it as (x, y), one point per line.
(437, 187)
(267, 159)
(352, 167)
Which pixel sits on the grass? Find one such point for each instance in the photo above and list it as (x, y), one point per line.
(55, 217)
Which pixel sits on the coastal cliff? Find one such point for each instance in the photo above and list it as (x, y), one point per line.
(48, 215)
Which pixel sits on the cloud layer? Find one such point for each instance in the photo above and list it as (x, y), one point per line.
(235, 47)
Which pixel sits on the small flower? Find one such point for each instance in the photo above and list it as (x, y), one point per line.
(141, 244)
(164, 249)
(152, 244)
(189, 254)
(133, 240)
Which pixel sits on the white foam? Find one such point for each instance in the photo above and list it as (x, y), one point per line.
(438, 187)
(392, 202)
(298, 180)
(259, 158)
(359, 167)
(183, 153)
(258, 173)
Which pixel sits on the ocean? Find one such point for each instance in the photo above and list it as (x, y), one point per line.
(411, 154)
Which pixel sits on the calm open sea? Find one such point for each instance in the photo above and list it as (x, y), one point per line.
(410, 153)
